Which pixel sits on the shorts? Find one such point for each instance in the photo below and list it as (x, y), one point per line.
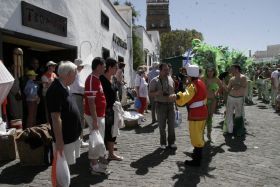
(71, 151)
(100, 123)
(92, 154)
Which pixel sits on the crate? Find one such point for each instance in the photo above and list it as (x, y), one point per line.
(131, 123)
(7, 148)
(29, 156)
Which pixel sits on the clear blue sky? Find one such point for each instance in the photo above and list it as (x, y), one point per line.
(239, 24)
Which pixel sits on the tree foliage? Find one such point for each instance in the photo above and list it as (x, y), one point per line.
(116, 3)
(135, 13)
(177, 42)
(138, 54)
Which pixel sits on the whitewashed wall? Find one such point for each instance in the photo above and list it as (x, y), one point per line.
(151, 44)
(84, 28)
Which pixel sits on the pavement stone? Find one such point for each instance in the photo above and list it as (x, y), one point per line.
(251, 161)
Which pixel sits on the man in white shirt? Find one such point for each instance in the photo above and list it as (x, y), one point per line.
(274, 84)
(120, 79)
(77, 90)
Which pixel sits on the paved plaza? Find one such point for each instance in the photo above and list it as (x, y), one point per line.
(250, 161)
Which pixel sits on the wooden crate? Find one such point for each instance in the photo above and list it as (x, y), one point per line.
(29, 156)
(7, 148)
(132, 123)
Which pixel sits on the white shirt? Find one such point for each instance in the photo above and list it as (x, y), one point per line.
(275, 75)
(143, 86)
(78, 86)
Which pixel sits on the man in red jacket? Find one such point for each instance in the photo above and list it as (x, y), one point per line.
(195, 96)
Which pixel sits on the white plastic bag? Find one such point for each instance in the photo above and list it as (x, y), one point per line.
(96, 143)
(62, 171)
(3, 128)
(178, 118)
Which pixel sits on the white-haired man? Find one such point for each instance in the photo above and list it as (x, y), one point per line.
(77, 89)
(65, 116)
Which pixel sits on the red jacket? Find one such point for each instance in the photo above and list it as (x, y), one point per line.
(201, 112)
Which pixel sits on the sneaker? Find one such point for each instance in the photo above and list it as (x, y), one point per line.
(98, 170)
(143, 120)
(173, 146)
(163, 146)
(84, 144)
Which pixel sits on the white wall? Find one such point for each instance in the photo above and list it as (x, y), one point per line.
(150, 43)
(84, 28)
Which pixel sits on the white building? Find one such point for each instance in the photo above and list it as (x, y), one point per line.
(150, 44)
(64, 30)
(271, 54)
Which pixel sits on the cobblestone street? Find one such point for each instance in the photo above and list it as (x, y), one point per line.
(253, 161)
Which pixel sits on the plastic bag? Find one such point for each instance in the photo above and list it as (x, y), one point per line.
(3, 127)
(178, 118)
(96, 143)
(60, 171)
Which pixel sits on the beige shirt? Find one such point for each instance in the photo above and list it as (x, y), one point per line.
(165, 86)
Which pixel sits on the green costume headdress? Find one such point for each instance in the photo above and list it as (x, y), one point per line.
(219, 58)
(204, 55)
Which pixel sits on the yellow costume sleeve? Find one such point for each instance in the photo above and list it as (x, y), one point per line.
(186, 96)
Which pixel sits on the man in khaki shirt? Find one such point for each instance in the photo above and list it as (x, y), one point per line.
(162, 89)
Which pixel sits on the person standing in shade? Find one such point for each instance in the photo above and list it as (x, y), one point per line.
(47, 80)
(77, 89)
(195, 96)
(162, 89)
(32, 98)
(110, 91)
(95, 106)
(120, 79)
(65, 118)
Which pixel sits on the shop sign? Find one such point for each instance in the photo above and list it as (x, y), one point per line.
(38, 18)
(119, 41)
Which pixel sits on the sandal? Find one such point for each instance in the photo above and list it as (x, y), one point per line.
(117, 158)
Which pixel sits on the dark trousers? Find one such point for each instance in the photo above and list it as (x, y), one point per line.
(166, 114)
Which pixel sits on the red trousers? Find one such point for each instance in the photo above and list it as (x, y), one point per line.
(143, 105)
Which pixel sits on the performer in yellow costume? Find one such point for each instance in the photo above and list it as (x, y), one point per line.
(195, 96)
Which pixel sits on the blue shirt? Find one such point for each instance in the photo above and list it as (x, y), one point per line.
(31, 90)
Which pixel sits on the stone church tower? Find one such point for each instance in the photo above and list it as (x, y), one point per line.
(158, 16)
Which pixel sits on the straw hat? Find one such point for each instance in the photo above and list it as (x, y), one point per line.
(31, 73)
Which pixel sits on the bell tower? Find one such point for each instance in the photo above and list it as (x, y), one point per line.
(158, 16)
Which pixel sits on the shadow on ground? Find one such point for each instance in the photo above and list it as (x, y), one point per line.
(151, 160)
(236, 144)
(18, 174)
(190, 176)
(262, 107)
(150, 128)
(82, 175)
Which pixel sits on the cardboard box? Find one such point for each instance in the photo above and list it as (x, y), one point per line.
(29, 156)
(7, 148)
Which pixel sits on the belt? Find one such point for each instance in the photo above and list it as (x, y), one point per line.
(197, 104)
(78, 94)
